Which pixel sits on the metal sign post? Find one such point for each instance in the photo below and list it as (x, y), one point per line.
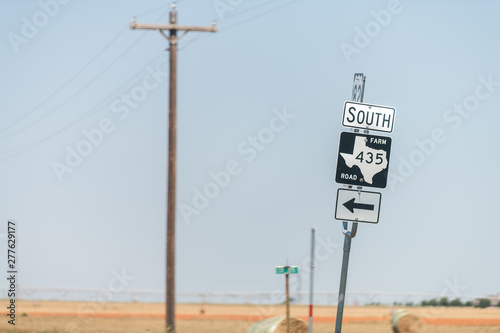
(358, 92)
(287, 270)
(349, 235)
(311, 280)
(358, 87)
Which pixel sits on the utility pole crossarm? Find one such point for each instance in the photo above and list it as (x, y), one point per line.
(152, 26)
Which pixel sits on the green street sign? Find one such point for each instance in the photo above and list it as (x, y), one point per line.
(287, 269)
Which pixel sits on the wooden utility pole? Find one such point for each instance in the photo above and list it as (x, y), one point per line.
(287, 304)
(287, 270)
(173, 27)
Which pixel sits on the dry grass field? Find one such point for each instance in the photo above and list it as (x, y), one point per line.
(78, 317)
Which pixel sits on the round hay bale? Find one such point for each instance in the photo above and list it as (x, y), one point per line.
(278, 325)
(405, 322)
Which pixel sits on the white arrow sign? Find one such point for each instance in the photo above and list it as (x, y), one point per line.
(357, 206)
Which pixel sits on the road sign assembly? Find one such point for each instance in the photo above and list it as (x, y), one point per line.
(287, 270)
(363, 159)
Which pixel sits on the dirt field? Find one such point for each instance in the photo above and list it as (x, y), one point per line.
(76, 317)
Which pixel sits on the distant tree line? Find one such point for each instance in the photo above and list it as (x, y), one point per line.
(444, 301)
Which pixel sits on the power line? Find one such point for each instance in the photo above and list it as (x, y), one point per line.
(67, 82)
(154, 10)
(98, 107)
(110, 65)
(258, 16)
(27, 147)
(74, 95)
(63, 85)
(244, 21)
(241, 12)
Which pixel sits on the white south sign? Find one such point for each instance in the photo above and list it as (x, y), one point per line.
(368, 116)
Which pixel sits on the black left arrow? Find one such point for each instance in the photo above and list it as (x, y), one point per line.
(351, 205)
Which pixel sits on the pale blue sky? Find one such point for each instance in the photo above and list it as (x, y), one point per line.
(438, 221)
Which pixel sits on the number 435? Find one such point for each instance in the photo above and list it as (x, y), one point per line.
(379, 158)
